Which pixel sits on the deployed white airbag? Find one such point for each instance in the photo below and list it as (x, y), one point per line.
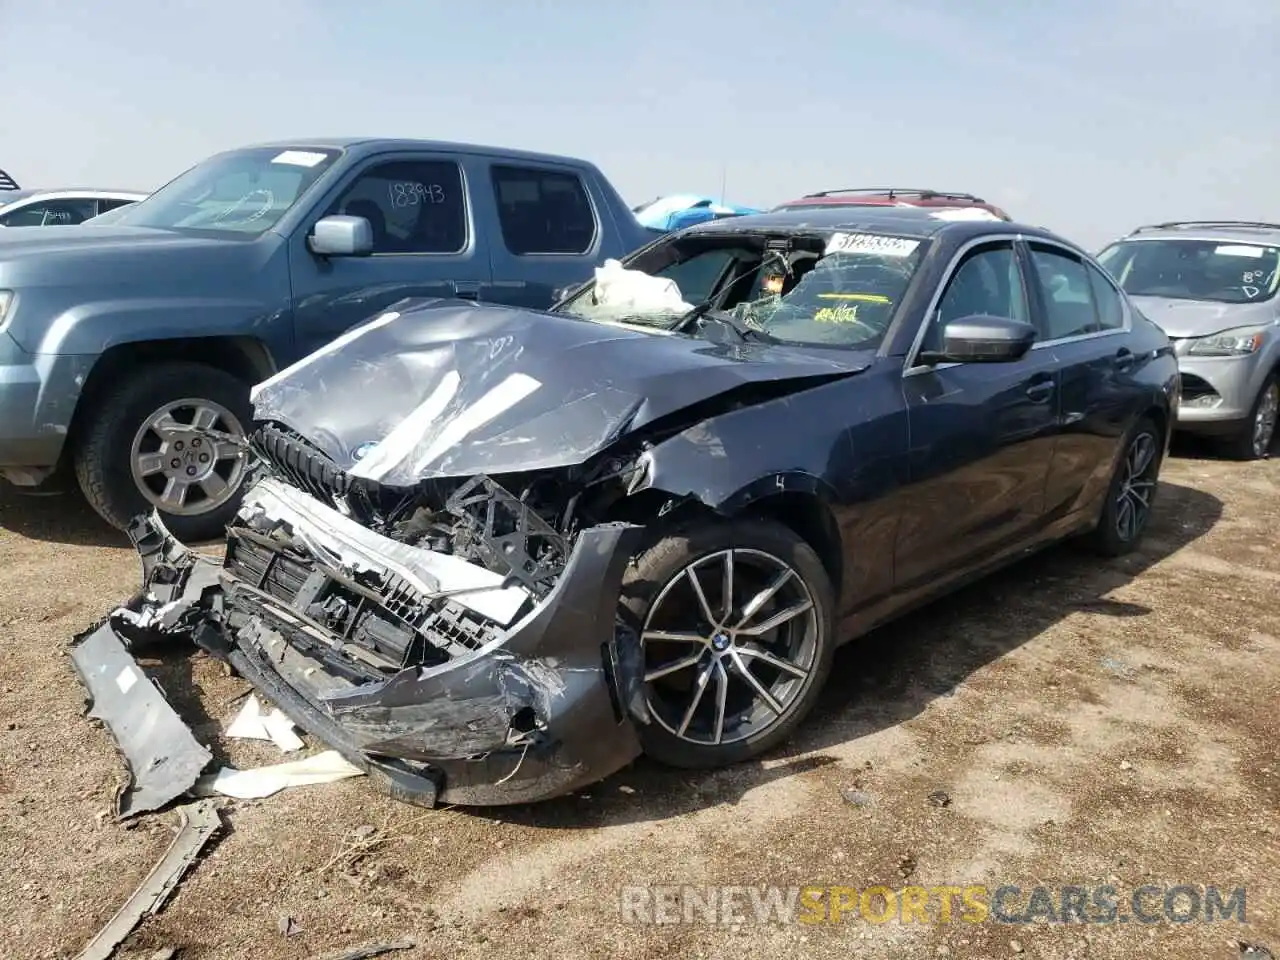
(624, 291)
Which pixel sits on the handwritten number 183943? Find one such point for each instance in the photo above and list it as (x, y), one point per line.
(412, 194)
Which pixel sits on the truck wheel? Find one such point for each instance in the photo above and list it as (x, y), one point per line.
(738, 634)
(135, 456)
(1254, 441)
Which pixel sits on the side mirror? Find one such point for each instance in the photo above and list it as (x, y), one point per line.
(982, 339)
(339, 236)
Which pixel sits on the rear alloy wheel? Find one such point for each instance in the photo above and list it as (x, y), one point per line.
(737, 637)
(1132, 493)
(1259, 433)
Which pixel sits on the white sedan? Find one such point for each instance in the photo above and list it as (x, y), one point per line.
(42, 208)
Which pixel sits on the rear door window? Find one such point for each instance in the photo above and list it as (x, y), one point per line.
(1110, 308)
(106, 204)
(543, 211)
(1066, 292)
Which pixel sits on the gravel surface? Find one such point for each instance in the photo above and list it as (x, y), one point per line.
(1068, 722)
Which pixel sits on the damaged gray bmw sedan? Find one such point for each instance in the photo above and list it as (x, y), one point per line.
(491, 555)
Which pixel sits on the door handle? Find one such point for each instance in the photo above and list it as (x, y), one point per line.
(1125, 358)
(466, 289)
(1040, 391)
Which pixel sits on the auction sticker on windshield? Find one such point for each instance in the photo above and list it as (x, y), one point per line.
(298, 158)
(1239, 250)
(870, 243)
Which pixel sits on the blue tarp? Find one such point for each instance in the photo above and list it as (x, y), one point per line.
(682, 210)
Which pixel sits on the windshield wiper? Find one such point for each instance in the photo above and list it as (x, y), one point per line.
(707, 307)
(743, 331)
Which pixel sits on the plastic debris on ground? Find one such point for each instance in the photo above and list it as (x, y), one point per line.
(252, 724)
(197, 823)
(260, 782)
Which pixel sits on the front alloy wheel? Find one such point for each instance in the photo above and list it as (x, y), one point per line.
(727, 659)
(1264, 421)
(187, 457)
(167, 436)
(736, 637)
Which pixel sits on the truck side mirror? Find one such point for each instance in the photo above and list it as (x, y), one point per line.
(341, 236)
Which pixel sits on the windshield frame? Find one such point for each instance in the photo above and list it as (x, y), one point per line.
(798, 239)
(1116, 248)
(146, 213)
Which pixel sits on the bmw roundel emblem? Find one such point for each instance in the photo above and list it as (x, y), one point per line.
(362, 451)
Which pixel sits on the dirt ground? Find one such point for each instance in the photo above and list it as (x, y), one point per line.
(1090, 722)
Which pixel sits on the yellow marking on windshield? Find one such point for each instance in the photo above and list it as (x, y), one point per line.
(867, 297)
(844, 313)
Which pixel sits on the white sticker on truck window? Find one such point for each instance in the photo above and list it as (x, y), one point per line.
(870, 243)
(298, 158)
(1239, 250)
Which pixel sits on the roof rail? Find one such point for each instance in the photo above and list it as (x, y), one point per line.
(892, 192)
(1193, 224)
(7, 182)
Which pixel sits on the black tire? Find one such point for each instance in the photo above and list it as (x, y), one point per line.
(102, 456)
(1243, 445)
(1107, 538)
(753, 540)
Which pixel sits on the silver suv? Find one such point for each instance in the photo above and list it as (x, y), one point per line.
(1212, 286)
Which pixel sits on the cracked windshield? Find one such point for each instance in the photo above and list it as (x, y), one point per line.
(843, 293)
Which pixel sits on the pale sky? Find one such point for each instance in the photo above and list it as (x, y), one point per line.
(1086, 116)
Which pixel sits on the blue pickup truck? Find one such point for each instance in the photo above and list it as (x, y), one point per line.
(128, 344)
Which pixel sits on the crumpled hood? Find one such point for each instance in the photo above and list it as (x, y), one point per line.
(1200, 318)
(442, 389)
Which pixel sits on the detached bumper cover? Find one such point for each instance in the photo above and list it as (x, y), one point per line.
(547, 708)
(163, 756)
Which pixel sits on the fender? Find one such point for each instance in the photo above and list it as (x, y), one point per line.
(95, 327)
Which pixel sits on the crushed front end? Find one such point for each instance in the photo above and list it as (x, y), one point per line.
(448, 640)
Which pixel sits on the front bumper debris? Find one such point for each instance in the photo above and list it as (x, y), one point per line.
(163, 756)
(544, 709)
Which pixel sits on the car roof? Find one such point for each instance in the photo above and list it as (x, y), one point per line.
(92, 193)
(909, 195)
(366, 145)
(1255, 231)
(917, 222)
